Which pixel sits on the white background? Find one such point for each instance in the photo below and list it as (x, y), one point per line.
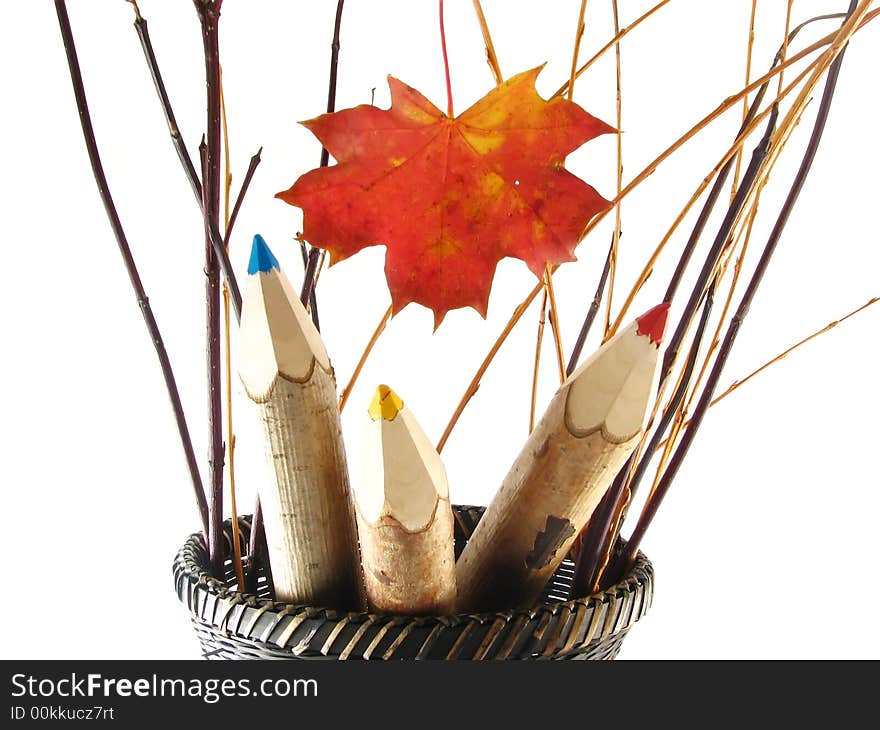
(765, 545)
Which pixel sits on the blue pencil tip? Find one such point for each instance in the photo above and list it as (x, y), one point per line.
(262, 258)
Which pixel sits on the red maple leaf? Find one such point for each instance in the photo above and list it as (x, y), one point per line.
(450, 198)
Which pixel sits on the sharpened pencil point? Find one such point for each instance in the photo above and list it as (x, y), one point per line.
(262, 258)
(653, 323)
(386, 404)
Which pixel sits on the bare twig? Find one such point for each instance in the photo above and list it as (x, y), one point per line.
(245, 184)
(346, 392)
(478, 376)
(604, 528)
(554, 322)
(759, 155)
(128, 259)
(751, 120)
(143, 32)
(539, 339)
(578, 37)
(591, 313)
(227, 354)
(491, 57)
(311, 254)
(258, 551)
(208, 12)
(615, 239)
(653, 504)
(632, 26)
(782, 355)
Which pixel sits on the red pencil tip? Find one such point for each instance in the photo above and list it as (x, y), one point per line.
(653, 323)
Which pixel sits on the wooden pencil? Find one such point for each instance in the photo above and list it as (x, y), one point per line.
(308, 514)
(589, 429)
(403, 514)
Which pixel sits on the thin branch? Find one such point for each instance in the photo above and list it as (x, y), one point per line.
(310, 255)
(615, 240)
(782, 355)
(632, 26)
(651, 507)
(603, 531)
(536, 370)
(591, 313)
(750, 45)
(346, 392)
(258, 551)
(748, 117)
(578, 36)
(786, 35)
(491, 57)
(308, 286)
(245, 184)
(227, 355)
(759, 155)
(128, 259)
(478, 376)
(748, 125)
(831, 39)
(334, 70)
(140, 25)
(209, 16)
(554, 322)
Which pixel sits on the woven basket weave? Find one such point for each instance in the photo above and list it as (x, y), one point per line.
(232, 625)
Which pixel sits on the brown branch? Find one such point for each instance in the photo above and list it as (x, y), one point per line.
(474, 385)
(311, 264)
(554, 322)
(782, 355)
(632, 26)
(539, 339)
(245, 184)
(665, 482)
(209, 17)
(143, 32)
(591, 312)
(759, 155)
(615, 239)
(491, 57)
(604, 528)
(578, 37)
(346, 392)
(128, 259)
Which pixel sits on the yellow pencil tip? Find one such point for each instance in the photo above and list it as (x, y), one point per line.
(386, 404)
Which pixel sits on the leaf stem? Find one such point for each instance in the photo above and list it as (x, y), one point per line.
(128, 259)
(449, 110)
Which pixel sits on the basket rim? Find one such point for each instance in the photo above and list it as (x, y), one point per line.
(193, 573)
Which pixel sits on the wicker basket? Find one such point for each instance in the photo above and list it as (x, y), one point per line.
(233, 625)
